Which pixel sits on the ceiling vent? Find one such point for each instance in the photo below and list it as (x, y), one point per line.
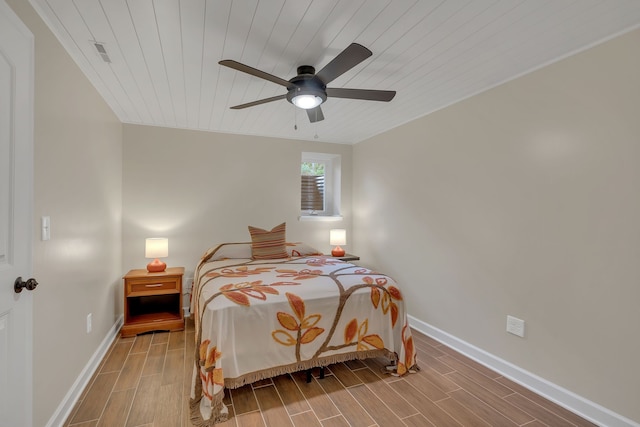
(102, 51)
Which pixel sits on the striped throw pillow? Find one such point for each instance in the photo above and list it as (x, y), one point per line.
(268, 244)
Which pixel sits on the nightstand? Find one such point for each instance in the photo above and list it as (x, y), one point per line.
(346, 257)
(152, 301)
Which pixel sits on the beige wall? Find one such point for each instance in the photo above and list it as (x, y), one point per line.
(523, 200)
(77, 182)
(201, 188)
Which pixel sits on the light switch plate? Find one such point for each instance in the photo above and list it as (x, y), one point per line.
(46, 228)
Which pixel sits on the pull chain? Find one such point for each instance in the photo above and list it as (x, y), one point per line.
(316, 125)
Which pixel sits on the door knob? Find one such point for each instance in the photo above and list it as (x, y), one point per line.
(19, 284)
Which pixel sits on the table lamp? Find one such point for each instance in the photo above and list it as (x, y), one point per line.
(156, 247)
(337, 237)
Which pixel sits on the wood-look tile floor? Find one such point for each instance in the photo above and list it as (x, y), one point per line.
(145, 381)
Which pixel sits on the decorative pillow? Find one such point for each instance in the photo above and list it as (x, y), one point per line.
(268, 244)
(301, 249)
(229, 251)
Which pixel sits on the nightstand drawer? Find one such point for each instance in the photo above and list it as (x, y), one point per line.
(152, 285)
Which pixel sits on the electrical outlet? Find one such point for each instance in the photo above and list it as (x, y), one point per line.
(187, 284)
(89, 323)
(515, 326)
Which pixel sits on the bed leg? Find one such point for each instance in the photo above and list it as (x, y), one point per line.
(310, 371)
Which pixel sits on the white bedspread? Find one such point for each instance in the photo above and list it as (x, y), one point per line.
(259, 319)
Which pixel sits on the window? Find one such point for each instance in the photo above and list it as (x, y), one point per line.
(320, 184)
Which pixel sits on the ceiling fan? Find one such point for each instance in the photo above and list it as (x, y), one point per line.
(309, 89)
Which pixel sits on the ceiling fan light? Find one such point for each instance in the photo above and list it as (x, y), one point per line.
(306, 101)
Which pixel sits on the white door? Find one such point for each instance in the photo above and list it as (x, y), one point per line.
(16, 181)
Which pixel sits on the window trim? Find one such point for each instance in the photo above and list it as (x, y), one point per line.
(320, 218)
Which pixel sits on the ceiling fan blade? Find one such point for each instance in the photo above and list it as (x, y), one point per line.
(346, 60)
(315, 114)
(253, 71)
(365, 94)
(258, 102)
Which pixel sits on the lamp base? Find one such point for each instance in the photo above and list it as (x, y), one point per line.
(156, 266)
(337, 251)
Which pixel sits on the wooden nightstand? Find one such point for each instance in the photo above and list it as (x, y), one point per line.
(346, 257)
(152, 301)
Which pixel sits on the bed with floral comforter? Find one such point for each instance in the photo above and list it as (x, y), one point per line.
(257, 319)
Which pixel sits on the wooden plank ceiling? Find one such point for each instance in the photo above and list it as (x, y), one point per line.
(164, 55)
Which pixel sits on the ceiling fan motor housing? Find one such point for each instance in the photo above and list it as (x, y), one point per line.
(306, 83)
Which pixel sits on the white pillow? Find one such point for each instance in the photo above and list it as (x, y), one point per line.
(228, 251)
(300, 249)
(244, 251)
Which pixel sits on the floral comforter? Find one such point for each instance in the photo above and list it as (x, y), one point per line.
(259, 319)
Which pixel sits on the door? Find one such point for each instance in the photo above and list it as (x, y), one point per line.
(16, 181)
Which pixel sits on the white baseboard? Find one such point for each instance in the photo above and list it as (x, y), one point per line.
(567, 399)
(66, 406)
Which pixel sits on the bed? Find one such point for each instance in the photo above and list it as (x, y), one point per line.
(259, 318)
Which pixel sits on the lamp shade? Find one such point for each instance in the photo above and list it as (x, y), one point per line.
(156, 247)
(338, 237)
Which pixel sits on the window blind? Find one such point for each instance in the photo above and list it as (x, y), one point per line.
(312, 192)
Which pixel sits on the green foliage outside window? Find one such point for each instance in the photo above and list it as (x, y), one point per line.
(313, 169)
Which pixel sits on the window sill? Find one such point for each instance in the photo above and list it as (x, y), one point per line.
(322, 218)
